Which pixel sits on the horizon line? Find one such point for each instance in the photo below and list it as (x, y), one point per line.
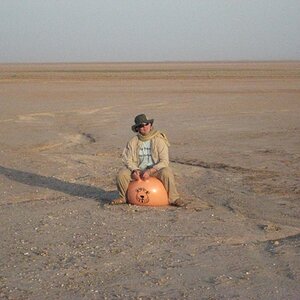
(155, 62)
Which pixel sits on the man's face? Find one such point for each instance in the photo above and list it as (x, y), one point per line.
(144, 128)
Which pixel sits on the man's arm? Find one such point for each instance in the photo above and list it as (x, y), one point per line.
(129, 156)
(163, 154)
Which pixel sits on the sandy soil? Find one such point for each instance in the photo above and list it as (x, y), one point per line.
(234, 130)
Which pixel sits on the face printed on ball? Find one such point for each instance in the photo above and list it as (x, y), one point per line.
(142, 195)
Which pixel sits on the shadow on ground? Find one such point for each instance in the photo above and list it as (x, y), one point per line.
(73, 189)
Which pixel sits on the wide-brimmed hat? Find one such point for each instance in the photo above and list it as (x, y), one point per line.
(140, 119)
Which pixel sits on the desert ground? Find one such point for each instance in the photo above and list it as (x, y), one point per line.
(234, 130)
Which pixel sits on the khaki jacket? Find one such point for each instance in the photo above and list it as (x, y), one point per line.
(159, 151)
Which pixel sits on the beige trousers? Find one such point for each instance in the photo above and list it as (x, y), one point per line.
(165, 175)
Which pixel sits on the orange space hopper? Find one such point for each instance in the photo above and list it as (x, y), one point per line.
(150, 192)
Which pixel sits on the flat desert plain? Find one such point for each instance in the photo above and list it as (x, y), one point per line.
(234, 130)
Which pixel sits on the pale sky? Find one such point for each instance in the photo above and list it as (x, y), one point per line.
(148, 30)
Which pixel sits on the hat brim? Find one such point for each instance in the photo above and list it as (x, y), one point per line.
(135, 126)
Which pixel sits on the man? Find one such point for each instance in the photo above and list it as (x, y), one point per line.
(145, 155)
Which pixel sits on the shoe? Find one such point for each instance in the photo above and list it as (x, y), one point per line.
(118, 201)
(179, 203)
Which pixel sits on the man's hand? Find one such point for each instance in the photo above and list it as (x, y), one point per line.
(146, 175)
(135, 174)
